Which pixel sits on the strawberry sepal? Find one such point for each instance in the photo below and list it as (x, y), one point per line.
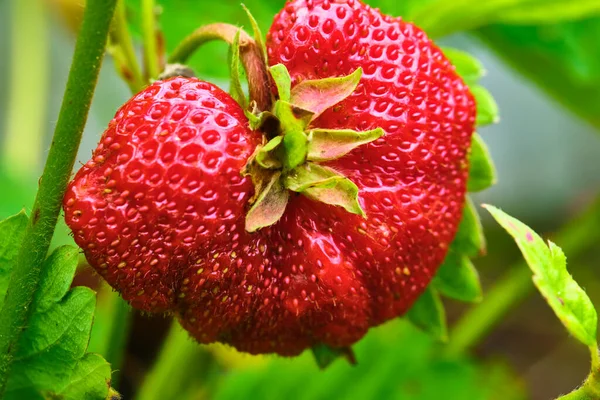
(321, 94)
(325, 185)
(331, 144)
(269, 205)
(292, 147)
(325, 355)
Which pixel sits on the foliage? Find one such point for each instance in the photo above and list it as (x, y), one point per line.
(51, 359)
(542, 53)
(568, 300)
(549, 265)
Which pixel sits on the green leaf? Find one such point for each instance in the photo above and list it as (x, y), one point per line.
(428, 314)
(325, 185)
(440, 17)
(543, 53)
(325, 355)
(457, 278)
(51, 360)
(467, 66)
(264, 156)
(330, 144)
(320, 94)
(469, 239)
(487, 109)
(549, 11)
(235, 87)
(269, 206)
(482, 173)
(282, 80)
(12, 231)
(549, 265)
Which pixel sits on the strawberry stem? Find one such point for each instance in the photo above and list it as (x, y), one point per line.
(590, 389)
(80, 87)
(177, 368)
(151, 54)
(120, 46)
(250, 54)
(118, 335)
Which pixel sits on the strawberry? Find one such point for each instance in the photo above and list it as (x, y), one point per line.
(301, 225)
(163, 187)
(413, 181)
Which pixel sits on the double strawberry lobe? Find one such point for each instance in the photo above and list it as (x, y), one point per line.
(289, 160)
(162, 212)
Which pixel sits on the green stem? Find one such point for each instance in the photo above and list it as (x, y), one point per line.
(26, 114)
(250, 53)
(121, 48)
(151, 56)
(590, 390)
(79, 91)
(118, 336)
(178, 369)
(481, 319)
(578, 236)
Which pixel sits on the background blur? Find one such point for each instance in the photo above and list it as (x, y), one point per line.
(544, 71)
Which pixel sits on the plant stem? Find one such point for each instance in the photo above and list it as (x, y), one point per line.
(177, 369)
(151, 55)
(590, 390)
(26, 114)
(250, 53)
(481, 319)
(79, 91)
(118, 336)
(578, 236)
(121, 48)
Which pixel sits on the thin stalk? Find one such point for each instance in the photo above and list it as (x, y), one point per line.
(178, 369)
(250, 53)
(79, 91)
(29, 73)
(575, 238)
(590, 390)
(121, 48)
(118, 336)
(151, 54)
(475, 324)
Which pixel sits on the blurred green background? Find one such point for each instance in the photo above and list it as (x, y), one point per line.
(543, 63)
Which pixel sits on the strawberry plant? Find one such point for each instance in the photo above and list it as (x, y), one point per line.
(290, 214)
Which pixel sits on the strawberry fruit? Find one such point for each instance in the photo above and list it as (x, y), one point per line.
(301, 225)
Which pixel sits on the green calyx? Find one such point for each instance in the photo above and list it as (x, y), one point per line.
(288, 160)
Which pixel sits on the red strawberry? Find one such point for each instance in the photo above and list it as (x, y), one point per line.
(413, 181)
(162, 209)
(162, 191)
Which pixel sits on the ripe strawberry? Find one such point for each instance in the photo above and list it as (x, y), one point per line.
(164, 213)
(413, 181)
(162, 191)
